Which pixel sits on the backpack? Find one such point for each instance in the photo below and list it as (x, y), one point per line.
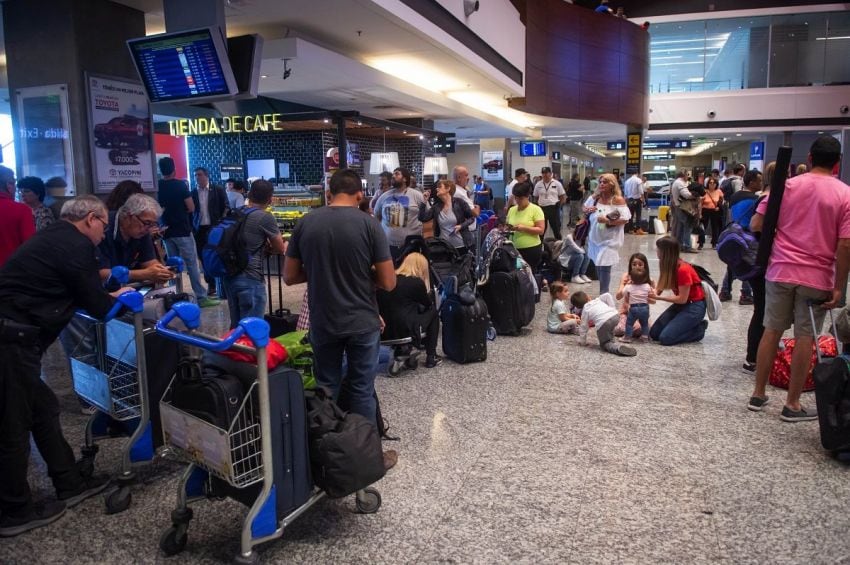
(738, 248)
(709, 288)
(704, 275)
(224, 254)
(213, 397)
(727, 187)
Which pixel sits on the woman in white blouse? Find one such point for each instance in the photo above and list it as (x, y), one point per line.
(608, 213)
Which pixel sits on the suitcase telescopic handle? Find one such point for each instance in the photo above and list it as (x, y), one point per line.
(256, 329)
(812, 304)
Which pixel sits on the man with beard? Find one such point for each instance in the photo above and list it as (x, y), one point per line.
(398, 211)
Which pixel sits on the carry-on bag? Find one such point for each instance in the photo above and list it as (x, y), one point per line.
(465, 322)
(510, 299)
(780, 373)
(832, 394)
(214, 398)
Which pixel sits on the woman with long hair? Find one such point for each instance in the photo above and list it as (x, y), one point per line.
(712, 209)
(122, 191)
(684, 321)
(408, 308)
(452, 216)
(608, 213)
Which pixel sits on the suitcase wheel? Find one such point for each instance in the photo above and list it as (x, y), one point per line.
(368, 500)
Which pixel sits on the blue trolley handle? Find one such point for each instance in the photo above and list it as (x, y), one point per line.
(256, 329)
(131, 300)
(176, 262)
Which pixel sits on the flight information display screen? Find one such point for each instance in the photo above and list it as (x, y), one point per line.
(186, 65)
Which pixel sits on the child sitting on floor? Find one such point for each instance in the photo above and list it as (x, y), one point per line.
(602, 312)
(574, 260)
(634, 289)
(560, 320)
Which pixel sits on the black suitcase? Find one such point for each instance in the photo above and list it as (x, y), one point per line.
(832, 395)
(464, 329)
(212, 396)
(281, 321)
(510, 300)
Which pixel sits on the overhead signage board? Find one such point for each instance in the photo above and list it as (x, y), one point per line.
(633, 147)
(660, 157)
(757, 155)
(668, 144)
(616, 146)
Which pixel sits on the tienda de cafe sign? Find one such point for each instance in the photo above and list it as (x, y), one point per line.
(227, 124)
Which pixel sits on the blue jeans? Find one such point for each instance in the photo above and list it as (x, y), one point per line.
(604, 274)
(246, 297)
(684, 227)
(726, 286)
(185, 248)
(361, 352)
(578, 263)
(680, 323)
(637, 313)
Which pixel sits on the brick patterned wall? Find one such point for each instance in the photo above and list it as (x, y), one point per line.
(304, 151)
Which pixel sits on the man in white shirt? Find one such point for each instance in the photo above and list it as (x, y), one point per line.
(683, 223)
(520, 175)
(550, 195)
(633, 192)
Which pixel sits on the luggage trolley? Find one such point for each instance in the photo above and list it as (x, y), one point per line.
(243, 455)
(109, 371)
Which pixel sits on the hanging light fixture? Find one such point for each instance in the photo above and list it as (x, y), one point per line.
(436, 166)
(386, 161)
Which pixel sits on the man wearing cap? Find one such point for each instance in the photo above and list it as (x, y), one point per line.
(550, 195)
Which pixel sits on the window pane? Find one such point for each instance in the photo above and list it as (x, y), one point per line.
(677, 59)
(797, 57)
(837, 47)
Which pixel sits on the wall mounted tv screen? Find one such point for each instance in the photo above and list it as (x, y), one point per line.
(535, 148)
(184, 66)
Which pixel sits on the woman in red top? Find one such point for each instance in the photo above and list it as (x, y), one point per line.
(684, 321)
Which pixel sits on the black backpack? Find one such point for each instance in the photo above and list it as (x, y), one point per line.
(704, 276)
(225, 254)
(345, 451)
(727, 188)
(212, 399)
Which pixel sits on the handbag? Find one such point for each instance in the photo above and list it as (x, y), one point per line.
(689, 207)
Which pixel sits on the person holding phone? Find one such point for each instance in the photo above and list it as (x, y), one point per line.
(527, 222)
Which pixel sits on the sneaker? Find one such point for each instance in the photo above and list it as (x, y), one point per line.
(640, 232)
(390, 459)
(627, 351)
(757, 403)
(800, 415)
(208, 302)
(644, 339)
(699, 247)
(577, 280)
(749, 368)
(39, 515)
(90, 486)
(625, 339)
(745, 300)
(725, 296)
(432, 361)
(586, 279)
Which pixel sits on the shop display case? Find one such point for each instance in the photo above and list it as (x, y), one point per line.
(291, 202)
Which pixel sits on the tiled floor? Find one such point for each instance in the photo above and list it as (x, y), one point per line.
(546, 453)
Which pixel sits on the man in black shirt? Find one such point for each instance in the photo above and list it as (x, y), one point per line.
(41, 286)
(343, 255)
(177, 205)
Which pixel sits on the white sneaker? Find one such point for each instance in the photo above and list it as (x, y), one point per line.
(578, 280)
(586, 279)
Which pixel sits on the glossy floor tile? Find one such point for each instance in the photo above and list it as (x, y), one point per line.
(547, 453)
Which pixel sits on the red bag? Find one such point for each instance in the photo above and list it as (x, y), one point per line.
(780, 373)
(275, 352)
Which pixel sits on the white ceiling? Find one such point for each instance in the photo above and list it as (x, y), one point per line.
(335, 67)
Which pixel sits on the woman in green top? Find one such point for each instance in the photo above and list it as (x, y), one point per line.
(528, 223)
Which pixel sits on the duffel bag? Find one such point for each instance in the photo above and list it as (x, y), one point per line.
(780, 373)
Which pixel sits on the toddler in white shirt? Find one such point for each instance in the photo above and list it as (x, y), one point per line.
(603, 313)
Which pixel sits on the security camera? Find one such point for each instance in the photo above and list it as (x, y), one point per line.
(470, 7)
(844, 109)
(711, 113)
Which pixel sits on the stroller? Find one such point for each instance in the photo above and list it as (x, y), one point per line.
(445, 262)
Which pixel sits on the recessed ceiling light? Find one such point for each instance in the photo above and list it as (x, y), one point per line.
(327, 121)
(264, 76)
(690, 136)
(404, 131)
(738, 135)
(359, 123)
(820, 133)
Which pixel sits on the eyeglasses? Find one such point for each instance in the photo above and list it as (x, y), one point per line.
(148, 224)
(104, 222)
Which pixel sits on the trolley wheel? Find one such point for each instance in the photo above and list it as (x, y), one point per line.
(412, 361)
(368, 501)
(173, 540)
(252, 559)
(118, 500)
(394, 368)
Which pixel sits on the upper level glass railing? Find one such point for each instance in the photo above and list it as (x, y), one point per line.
(752, 52)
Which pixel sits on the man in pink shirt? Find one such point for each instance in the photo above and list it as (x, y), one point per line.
(16, 222)
(809, 261)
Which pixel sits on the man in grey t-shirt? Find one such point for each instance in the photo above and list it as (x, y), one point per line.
(398, 211)
(246, 293)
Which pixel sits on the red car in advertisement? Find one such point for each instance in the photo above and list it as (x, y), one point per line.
(124, 132)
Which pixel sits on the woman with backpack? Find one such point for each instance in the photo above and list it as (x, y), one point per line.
(684, 321)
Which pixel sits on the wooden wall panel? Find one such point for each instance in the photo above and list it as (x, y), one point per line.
(583, 65)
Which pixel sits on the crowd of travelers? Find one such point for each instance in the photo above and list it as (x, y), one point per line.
(364, 284)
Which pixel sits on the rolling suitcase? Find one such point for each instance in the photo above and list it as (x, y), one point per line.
(281, 320)
(510, 299)
(832, 394)
(465, 323)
